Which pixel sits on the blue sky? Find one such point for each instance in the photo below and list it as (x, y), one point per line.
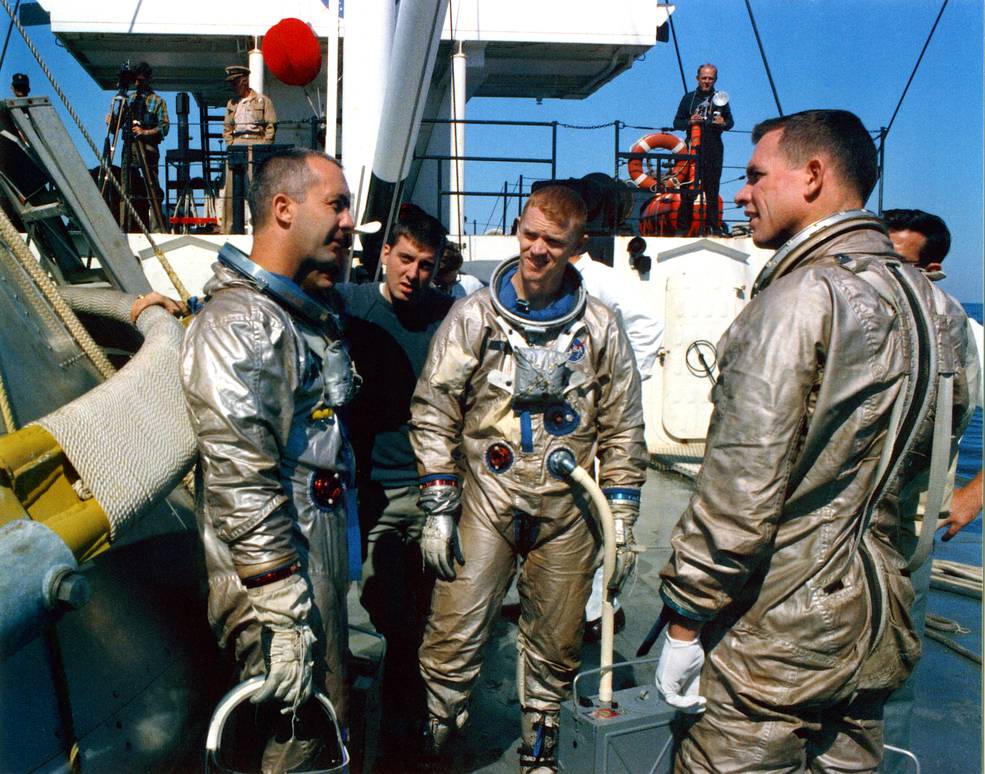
(851, 54)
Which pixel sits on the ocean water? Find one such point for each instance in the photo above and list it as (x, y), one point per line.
(970, 449)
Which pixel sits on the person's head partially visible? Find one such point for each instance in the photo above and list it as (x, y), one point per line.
(451, 262)
(805, 167)
(920, 238)
(20, 85)
(238, 78)
(411, 252)
(707, 77)
(551, 230)
(143, 73)
(299, 203)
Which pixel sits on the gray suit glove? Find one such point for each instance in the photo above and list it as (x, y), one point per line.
(625, 507)
(440, 501)
(282, 608)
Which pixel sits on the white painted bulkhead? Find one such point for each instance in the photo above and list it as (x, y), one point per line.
(695, 287)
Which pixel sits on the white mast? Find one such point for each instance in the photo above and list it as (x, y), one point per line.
(456, 204)
(369, 26)
(256, 67)
(332, 80)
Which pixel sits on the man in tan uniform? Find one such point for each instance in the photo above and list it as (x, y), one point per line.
(250, 120)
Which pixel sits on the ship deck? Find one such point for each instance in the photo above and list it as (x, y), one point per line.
(947, 724)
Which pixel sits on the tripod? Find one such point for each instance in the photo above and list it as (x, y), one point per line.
(127, 112)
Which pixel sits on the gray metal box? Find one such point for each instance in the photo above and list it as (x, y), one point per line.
(635, 739)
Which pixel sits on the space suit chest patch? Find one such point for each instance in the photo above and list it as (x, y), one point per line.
(540, 376)
(561, 419)
(325, 489)
(499, 457)
(576, 351)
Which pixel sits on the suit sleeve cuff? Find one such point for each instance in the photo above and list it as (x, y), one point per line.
(699, 616)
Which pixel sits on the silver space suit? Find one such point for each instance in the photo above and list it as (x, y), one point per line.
(499, 393)
(806, 620)
(274, 465)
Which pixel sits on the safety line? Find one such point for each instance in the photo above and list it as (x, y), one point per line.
(919, 59)
(762, 53)
(680, 64)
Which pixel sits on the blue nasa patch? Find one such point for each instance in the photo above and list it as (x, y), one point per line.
(577, 351)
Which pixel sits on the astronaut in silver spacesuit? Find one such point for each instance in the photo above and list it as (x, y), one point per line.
(518, 370)
(846, 377)
(264, 371)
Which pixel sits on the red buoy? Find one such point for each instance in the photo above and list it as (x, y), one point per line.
(292, 52)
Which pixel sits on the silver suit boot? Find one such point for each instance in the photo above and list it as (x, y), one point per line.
(538, 755)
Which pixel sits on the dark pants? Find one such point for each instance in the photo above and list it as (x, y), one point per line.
(710, 156)
(396, 591)
(710, 162)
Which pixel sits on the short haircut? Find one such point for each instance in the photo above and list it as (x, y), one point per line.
(931, 226)
(706, 64)
(838, 134)
(561, 205)
(144, 69)
(415, 224)
(451, 258)
(286, 172)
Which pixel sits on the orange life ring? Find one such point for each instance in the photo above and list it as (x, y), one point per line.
(660, 216)
(645, 145)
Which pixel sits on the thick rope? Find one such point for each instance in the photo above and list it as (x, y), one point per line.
(5, 409)
(26, 261)
(103, 163)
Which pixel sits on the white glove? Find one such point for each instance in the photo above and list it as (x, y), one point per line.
(282, 608)
(678, 673)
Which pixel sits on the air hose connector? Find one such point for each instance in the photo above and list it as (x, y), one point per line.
(561, 463)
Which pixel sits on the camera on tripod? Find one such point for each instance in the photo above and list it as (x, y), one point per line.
(125, 77)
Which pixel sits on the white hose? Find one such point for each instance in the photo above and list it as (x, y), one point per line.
(580, 476)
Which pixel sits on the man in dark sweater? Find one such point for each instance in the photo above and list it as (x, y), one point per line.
(389, 330)
(697, 108)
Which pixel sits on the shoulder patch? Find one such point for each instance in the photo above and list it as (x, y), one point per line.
(577, 350)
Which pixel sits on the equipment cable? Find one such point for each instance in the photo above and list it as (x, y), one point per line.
(762, 53)
(947, 642)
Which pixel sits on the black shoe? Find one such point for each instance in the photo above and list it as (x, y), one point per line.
(593, 628)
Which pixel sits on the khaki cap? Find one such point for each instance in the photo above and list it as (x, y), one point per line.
(236, 71)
